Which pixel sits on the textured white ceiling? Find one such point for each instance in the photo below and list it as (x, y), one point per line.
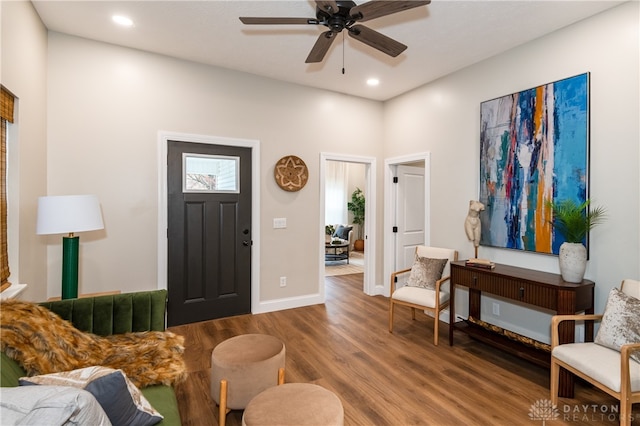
(443, 37)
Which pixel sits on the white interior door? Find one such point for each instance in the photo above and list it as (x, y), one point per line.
(410, 218)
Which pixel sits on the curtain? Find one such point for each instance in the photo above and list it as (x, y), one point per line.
(336, 192)
(6, 116)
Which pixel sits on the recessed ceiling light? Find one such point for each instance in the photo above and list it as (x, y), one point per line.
(122, 20)
(373, 82)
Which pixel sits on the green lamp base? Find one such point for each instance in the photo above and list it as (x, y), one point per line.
(70, 247)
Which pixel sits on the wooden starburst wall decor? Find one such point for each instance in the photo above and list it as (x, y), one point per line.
(291, 173)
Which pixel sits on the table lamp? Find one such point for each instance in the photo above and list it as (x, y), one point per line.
(68, 214)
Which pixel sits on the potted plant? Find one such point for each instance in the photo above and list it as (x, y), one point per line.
(574, 221)
(356, 206)
(329, 230)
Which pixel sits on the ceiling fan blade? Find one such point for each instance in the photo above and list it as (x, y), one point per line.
(329, 6)
(278, 21)
(377, 40)
(321, 47)
(376, 9)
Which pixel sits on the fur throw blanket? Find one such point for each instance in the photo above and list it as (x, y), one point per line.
(44, 343)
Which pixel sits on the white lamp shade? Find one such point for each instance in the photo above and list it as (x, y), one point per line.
(68, 213)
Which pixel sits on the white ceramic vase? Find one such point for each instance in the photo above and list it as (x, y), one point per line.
(573, 262)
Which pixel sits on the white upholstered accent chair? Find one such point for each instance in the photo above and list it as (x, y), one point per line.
(607, 369)
(425, 299)
(350, 234)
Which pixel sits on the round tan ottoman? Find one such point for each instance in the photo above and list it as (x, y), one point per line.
(242, 367)
(294, 404)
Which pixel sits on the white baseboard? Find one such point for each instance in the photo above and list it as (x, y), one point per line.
(287, 303)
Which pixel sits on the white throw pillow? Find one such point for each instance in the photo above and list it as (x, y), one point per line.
(119, 397)
(50, 405)
(620, 323)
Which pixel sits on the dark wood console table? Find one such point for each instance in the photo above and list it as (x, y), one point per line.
(538, 289)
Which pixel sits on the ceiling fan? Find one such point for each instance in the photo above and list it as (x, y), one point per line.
(338, 15)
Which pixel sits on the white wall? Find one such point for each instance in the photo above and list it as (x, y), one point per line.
(23, 72)
(106, 105)
(443, 117)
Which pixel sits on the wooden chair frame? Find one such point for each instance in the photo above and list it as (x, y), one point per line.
(433, 310)
(626, 397)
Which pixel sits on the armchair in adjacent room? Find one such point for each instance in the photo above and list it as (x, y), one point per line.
(424, 287)
(345, 233)
(612, 361)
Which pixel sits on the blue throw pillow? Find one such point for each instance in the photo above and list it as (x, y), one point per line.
(343, 232)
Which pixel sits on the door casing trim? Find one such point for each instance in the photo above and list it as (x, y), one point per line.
(163, 140)
(389, 166)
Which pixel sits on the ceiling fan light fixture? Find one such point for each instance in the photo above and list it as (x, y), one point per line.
(338, 15)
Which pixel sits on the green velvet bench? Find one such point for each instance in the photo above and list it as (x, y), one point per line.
(104, 316)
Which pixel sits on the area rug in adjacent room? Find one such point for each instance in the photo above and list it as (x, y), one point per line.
(340, 267)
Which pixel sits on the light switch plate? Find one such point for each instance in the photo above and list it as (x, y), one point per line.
(279, 222)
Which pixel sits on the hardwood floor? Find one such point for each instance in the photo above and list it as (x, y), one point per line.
(388, 379)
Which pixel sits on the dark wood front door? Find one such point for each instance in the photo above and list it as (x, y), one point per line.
(209, 235)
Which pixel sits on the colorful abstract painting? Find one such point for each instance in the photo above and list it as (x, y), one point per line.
(533, 149)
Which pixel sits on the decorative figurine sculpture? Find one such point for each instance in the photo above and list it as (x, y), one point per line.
(472, 223)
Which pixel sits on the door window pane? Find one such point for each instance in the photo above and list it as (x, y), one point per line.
(210, 173)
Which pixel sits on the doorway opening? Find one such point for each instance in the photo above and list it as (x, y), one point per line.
(366, 167)
(406, 210)
(344, 238)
